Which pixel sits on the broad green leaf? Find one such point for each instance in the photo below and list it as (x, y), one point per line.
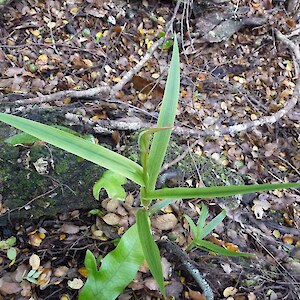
(204, 231)
(150, 249)
(160, 205)
(166, 119)
(78, 146)
(117, 270)
(112, 183)
(208, 246)
(216, 191)
(11, 253)
(6, 244)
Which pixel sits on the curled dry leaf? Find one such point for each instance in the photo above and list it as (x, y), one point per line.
(75, 284)
(35, 240)
(229, 291)
(34, 261)
(259, 207)
(44, 278)
(165, 222)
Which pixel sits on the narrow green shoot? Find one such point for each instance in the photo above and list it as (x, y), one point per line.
(150, 248)
(200, 231)
(166, 119)
(215, 191)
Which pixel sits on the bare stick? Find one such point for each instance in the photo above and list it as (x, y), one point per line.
(104, 89)
(190, 266)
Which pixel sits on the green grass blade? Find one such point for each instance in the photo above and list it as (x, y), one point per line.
(217, 191)
(78, 146)
(192, 225)
(202, 219)
(150, 249)
(118, 269)
(166, 118)
(160, 205)
(208, 246)
(211, 225)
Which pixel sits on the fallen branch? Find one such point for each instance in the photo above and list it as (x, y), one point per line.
(190, 267)
(104, 90)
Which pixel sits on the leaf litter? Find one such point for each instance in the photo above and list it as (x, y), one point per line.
(227, 77)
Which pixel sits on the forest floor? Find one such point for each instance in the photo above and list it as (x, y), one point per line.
(238, 105)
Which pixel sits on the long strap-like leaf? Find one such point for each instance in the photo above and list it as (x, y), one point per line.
(166, 119)
(216, 191)
(78, 146)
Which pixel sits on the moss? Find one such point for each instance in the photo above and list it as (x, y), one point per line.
(67, 185)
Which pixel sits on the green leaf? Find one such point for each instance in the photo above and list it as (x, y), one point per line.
(112, 183)
(117, 270)
(208, 246)
(216, 191)
(160, 205)
(204, 231)
(192, 225)
(166, 119)
(202, 219)
(6, 244)
(150, 249)
(144, 144)
(11, 253)
(22, 138)
(78, 146)
(167, 45)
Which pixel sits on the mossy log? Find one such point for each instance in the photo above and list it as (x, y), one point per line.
(42, 180)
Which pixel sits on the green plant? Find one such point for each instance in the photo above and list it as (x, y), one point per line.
(120, 266)
(200, 231)
(8, 246)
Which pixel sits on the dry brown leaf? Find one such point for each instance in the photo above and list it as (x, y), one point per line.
(7, 286)
(61, 271)
(195, 295)
(44, 278)
(166, 268)
(151, 284)
(165, 222)
(70, 228)
(34, 261)
(259, 207)
(11, 72)
(147, 87)
(75, 284)
(111, 219)
(230, 291)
